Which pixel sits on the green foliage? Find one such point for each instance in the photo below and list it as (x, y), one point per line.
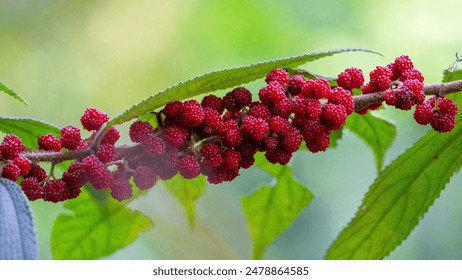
(219, 80)
(377, 133)
(400, 197)
(272, 209)
(18, 239)
(187, 192)
(12, 93)
(27, 129)
(454, 73)
(94, 229)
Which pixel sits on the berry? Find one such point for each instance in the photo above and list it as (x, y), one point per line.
(317, 89)
(55, 191)
(278, 156)
(254, 128)
(213, 102)
(38, 172)
(350, 78)
(307, 108)
(176, 136)
(294, 86)
(259, 110)
(192, 114)
(277, 75)
(106, 153)
(423, 113)
(154, 146)
(317, 137)
(189, 167)
(70, 137)
(404, 98)
(23, 164)
(211, 121)
(401, 64)
(447, 106)
(231, 159)
(139, 131)
(144, 177)
(173, 109)
(333, 116)
(111, 136)
(279, 125)
(380, 78)
(93, 119)
(212, 155)
(442, 122)
(272, 92)
(229, 133)
(411, 74)
(342, 97)
(100, 176)
(270, 144)
(11, 172)
(49, 142)
(291, 140)
(282, 107)
(236, 99)
(121, 189)
(31, 188)
(11, 147)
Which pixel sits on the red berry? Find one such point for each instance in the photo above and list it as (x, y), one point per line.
(279, 125)
(333, 116)
(282, 107)
(447, 106)
(93, 119)
(212, 155)
(121, 189)
(291, 141)
(272, 92)
(259, 110)
(100, 176)
(23, 164)
(106, 153)
(236, 99)
(31, 188)
(229, 133)
(270, 144)
(380, 78)
(404, 98)
(11, 147)
(139, 131)
(38, 172)
(423, 113)
(317, 89)
(154, 146)
(442, 122)
(317, 137)
(254, 128)
(411, 74)
(144, 177)
(213, 102)
(350, 78)
(211, 121)
(176, 136)
(307, 108)
(49, 142)
(192, 114)
(278, 156)
(11, 172)
(70, 137)
(401, 64)
(294, 86)
(173, 109)
(189, 167)
(231, 159)
(277, 75)
(342, 97)
(55, 191)
(111, 136)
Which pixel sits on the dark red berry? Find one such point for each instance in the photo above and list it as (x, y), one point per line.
(317, 137)
(259, 110)
(111, 136)
(307, 108)
(213, 102)
(121, 189)
(106, 153)
(212, 155)
(272, 92)
(277, 75)
(229, 133)
(447, 106)
(11, 147)
(100, 176)
(189, 167)
(192, 114)
(144, 177)
(231, 159)
(342, 97)
(294, 86)
(176, 136)
(11, 172)
(93, 119)
(70, 137)
(317, 89)
(31, 188)
(442, 122)
(55, 191)
(38, 172)
(254, 128)
(401, 64)
(236, 99)
(23, 164)
(140, 131)
(49, 142)
(333, 116)
(154, 146)
(411, 74)
(423, 113)
(350, 78)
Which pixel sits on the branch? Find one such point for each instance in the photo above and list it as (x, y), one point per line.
(441, 90)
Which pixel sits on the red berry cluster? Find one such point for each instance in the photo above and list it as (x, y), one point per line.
(216, 137)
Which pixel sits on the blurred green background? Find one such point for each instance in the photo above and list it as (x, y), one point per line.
(64, 56)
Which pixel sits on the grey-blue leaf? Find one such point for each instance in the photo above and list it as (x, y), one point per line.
(18, 239)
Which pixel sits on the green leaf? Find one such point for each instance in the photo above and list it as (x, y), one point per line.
(377, 133)
(12, 93)
(272, 209)
(219, 80)
(93, 229)
(400, 197)
(27, 129)
(187, 191)
(454, 73)
(18, 239)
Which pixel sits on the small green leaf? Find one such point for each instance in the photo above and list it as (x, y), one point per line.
(187, 191)
(454, 73)
(18, 240)
(12, 93)
(93, 229)
(272, 209)
(400, 197)
(27, 129)
(377, 133)
(219, 80)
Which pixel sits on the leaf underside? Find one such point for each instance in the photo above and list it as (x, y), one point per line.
(219, 80)
(272, 209)
(400, 197)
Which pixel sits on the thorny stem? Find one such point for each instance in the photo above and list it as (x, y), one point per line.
(361, 102)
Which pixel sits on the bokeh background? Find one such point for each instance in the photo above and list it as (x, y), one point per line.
(64, 56)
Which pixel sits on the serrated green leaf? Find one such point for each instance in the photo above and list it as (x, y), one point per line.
(272, 209)
(454, 73)
(93, 229)
(400, 197)
(377, 133)
(187, 191)
(219, 80)
(12, 93)
(18, 239)
(27, 129)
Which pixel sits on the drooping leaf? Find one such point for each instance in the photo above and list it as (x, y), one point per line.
(400, 197)
(272, 209)
(187, 191)
(12, 93)
(219, 80)
(27, 129)
(377, 133)
(18, 239)
(92, 229)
